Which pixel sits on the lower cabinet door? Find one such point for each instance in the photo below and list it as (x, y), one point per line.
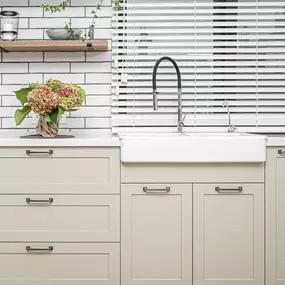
(156, 244)
(60, 264)
(228, 234)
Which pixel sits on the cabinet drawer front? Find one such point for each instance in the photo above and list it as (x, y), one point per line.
(228, 231)
(192, 173)
(67, 218)
(66, 264)
(60, 171)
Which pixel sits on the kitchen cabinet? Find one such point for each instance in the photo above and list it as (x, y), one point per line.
(156, 245)
(228, 234)
(275, 213)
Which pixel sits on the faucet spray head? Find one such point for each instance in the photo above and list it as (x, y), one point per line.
(155, 103)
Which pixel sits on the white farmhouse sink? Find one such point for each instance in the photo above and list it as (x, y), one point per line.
(193, 147)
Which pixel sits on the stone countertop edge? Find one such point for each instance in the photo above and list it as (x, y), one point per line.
(273, 140)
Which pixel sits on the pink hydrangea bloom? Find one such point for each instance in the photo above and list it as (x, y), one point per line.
(42, 100)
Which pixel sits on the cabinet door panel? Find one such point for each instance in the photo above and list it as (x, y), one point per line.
(156, 235)
(275, 217)
(228, 235)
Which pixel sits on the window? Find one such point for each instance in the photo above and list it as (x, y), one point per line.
(226, 49)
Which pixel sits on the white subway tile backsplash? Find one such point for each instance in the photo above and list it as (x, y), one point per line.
(9, 123)
(66, 78)
(13, 67)
(89, 2)
(102, 34)
(10, 101)
(26, 12)
(75, 123)
(49, 67)
(69, 12)
(104, 12)
(98, 100)
(98, 78)
(7, 90)
(48, 23)
(39, 2)
(21, 78)
(99, 56)
(92, 112)
(30, 34)
(91, 67)
(23, 57)
(23, 23)
(8, 3)
(93, 123)
(65, 56)
(92, 71)
(97, 89)
(7, 112)
(83, 23)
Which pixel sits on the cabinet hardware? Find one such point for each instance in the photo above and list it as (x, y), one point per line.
(48, 201)
(29, 152)
(165, 190)
(30, 249)
(281, 152)
(218, 189)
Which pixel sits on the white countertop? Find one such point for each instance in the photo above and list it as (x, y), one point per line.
(80, 141)
(100, 141)
(276, 140)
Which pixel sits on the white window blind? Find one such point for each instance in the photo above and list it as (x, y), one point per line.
(226, 49)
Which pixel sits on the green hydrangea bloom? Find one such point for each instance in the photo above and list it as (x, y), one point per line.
(67, 103)
(80, 93)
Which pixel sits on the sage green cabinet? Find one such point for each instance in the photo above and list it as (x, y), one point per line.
(275, 216)
(156, 244)
(228, 234)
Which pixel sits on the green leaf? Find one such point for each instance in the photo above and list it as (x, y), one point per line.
(21, 114)
(73, 110)
(56, 114)
(33, 85)
(22, 95)
(48, 118)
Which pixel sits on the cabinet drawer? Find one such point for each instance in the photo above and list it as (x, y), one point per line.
(61, 218)
(60, 171)
(66, 264)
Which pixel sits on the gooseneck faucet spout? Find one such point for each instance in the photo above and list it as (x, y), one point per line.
(155, 93)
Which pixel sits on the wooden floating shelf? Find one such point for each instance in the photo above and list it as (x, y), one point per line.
(53, 46)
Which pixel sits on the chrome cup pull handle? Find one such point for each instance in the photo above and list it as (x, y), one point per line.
(49, 152)
(156, 191)
(281, 152)
(30, 249)
(32, 201)
(220, 190)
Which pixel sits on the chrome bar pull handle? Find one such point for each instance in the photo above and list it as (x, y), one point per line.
(30, 249)
(49, 152)
(31, 201)
(281, 152)
(220, 190)
(156, 191)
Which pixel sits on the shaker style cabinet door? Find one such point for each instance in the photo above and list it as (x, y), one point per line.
(275, 216)
(156, 235)
(228, 235)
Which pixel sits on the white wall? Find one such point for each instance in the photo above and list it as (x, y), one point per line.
(90, 70)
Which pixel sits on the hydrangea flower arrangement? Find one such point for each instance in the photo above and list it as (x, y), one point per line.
(50, 101)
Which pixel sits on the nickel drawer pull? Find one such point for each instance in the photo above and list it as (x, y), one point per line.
(281, 152)
(49, 152)
(218, 189)
(48, 201)
(47, 250)
(165, 190)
